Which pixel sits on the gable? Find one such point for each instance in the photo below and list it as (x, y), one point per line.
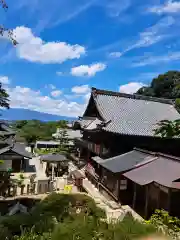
(92, 110)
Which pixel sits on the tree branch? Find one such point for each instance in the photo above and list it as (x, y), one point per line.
(4, 30)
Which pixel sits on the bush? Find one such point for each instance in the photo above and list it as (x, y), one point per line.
(166, 224)
(87, 205)
(56, 218)
(15, 223)
(4, 233)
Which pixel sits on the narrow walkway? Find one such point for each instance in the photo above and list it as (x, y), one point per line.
(112, 209)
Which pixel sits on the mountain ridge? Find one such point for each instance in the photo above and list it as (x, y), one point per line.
(14, 114)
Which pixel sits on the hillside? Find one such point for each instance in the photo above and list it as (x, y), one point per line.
(26, 114)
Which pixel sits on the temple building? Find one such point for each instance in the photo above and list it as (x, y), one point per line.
(118, 138)
(13, 155)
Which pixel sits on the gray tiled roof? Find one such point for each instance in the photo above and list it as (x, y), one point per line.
(5, 129)
(163, 171)
(54, 157)
(125, 162)
(17, 148)
(94, 124)
(131, 116)
(85, 122)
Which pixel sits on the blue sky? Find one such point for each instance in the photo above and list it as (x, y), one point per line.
(67, 46)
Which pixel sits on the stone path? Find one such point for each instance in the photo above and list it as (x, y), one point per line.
(114, 211)
(40, 168)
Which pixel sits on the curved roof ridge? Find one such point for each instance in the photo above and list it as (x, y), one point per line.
(96, 91)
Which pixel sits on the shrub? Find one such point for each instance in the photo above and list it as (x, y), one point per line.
(87, 205)
(84, 227)
(61, 205)
(4, 233)
(166, 224)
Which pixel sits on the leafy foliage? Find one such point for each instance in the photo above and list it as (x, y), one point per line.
(63, 137)
(4, 30)
(166, 224)
(84, 227)
(32, 130)
(164, 86)
(4, 98)
(168, 128)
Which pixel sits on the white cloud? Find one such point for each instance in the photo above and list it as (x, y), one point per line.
(4, 80)
(59, 73)
(88, 70)
(115, 8)
(28, 98)
(52, 86)
(83, 89)
(56, 93)
(115, 54)
(131, 87)
(169, 7)
(173, 56)
(150, 36)
(34, 49)
(153, 35)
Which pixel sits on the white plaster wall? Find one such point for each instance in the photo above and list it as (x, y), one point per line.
(7, 164)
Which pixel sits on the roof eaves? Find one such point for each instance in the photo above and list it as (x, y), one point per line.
(137, 135)
(96, 92)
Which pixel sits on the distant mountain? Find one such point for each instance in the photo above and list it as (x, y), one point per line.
(26, 114)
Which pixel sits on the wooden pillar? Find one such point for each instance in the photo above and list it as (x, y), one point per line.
(88, 156)
(118, 186)
(146, 201)
(134, 196)
(158, 198)
(169, 200)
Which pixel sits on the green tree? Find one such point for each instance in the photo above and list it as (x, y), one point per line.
(169, 129)
(4, 30)
(4, 98)
(165, 85)
(30, 134)
(20, 124)
(43, 130)
(63, 138)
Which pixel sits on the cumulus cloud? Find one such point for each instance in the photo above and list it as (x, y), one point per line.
(28, 98)
(169, 7)
(88, 70)
(81, 89)
(131, 87)
(4, 80)
(56, 93)
(34, 49)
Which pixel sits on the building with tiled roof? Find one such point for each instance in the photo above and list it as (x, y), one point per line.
(12, 154)
(119, 122)
(119, 147)
(126, 114)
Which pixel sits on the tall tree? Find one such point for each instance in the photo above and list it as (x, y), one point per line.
(4, 98)
(165, 85)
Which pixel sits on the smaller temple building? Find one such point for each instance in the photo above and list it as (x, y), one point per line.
(13, 156)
